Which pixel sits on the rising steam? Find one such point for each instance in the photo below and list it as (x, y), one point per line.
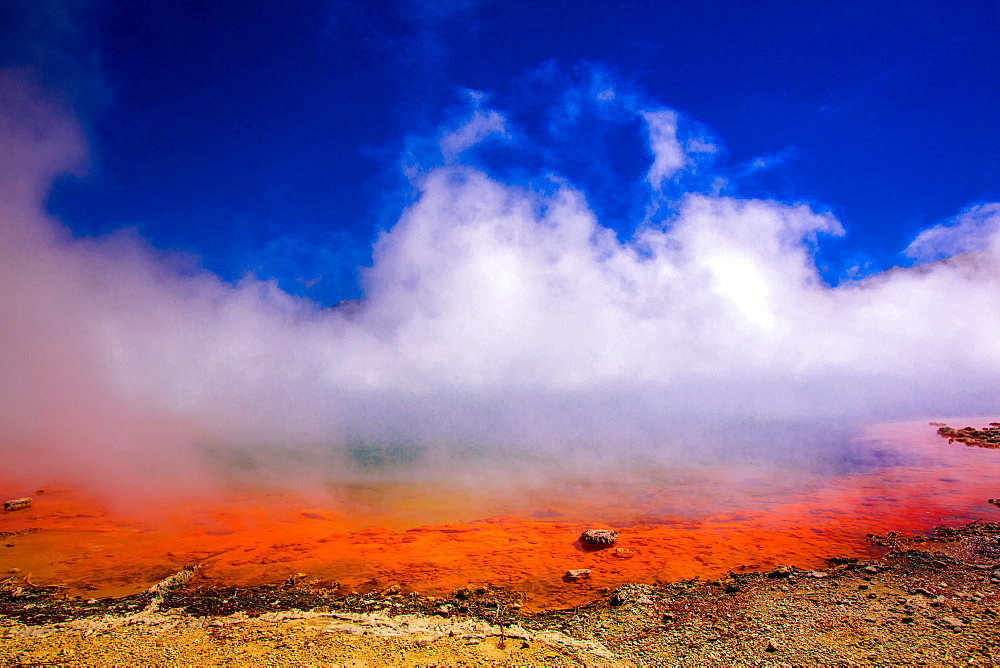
(496, 318)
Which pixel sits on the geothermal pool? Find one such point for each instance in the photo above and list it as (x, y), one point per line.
(700, 521)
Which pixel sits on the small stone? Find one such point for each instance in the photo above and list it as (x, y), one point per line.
(818, 575)
(870, 569)
(578, 573)
(780, 572)
(771, 646)
(631, 593)
(952, 622)
(862, 587)
(444, 610)
(599, 537)
(17, 504)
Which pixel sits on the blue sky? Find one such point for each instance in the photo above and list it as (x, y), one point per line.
(574, 225)
(273, 138)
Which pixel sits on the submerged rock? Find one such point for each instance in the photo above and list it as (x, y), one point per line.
(578, 573)
(987, 437)
(599, 537)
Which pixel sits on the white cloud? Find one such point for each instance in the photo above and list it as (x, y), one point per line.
(976, 229)
(494, 317)
(482, 123)
(668, 155)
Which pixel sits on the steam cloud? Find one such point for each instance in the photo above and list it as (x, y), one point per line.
(496, 319)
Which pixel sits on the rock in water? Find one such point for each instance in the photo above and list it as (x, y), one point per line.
(599, 537)
(578, 573)
(17, 504)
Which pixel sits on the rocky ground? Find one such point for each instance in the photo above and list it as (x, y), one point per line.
(927, 600)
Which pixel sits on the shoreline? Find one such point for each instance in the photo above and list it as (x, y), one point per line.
(929, 599)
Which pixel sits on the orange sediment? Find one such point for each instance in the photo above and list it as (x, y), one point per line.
(700, 523)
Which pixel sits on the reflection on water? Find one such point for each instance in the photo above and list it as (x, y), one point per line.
(433, 537)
